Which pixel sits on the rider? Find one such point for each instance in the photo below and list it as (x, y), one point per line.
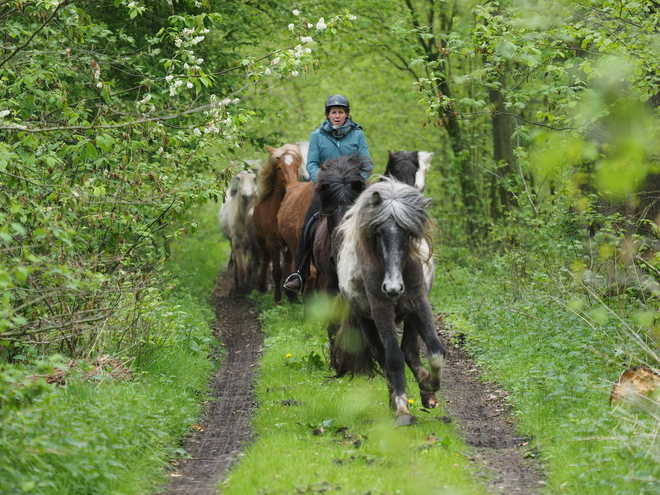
(337, 136)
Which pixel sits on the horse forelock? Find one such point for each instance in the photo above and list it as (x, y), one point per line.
(401, 202)
(340, 182)
(268, 173)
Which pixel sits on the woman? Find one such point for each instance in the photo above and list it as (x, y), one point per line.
(337, 136)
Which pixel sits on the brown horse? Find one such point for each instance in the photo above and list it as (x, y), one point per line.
(280, 171)
(290, 220)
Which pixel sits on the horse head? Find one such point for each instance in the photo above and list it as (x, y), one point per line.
(409, 167)
(288, 160)
(246, 185)
(392, 223)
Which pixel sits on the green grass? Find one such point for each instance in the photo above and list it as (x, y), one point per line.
(559, 358)
(114, 437)
(359, 450)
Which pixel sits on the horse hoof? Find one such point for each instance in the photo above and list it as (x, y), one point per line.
(429, 400)
(405, 420)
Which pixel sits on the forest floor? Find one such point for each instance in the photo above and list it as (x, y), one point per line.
(503, 459)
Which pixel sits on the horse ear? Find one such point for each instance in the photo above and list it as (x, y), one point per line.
(426, 202)
(376, 199)
(390, 153)
(270, 150)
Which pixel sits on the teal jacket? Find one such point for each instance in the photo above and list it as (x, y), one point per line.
(326, 143)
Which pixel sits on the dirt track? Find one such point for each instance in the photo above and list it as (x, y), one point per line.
(502, 458)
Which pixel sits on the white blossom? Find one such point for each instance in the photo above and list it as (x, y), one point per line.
(189, 85)
(268, 72)
(178, 42)
(310, 25)
(321, 24)
(186, 66)
(296, 12)
(99, 85)
(275, 61)
(197, 39)
(169, 77)
(307, 39)
(351, 17)
(308, 50)
(197, 132)
(295, 73)
(291, 27)
(178, 83)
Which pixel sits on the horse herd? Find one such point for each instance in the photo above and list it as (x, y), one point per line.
(372, 253)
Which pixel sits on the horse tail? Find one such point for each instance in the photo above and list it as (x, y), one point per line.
(352, 352)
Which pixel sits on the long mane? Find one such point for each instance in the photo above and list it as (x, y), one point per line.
(405, 204)
(340, 182)
(268, 173)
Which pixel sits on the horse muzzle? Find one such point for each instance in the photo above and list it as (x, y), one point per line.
(392, 289)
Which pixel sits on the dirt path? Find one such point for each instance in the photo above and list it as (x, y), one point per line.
(503, 459)
(225, 426)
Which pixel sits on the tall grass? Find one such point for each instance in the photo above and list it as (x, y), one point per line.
(558, 346)
(108, 436)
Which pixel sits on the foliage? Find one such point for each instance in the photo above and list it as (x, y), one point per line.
(103, 435)
(550, 324)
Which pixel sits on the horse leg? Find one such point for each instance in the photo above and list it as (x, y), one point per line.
(241, 270)
(421, 323)
(394, 360)
(276, 272)
(262, 283)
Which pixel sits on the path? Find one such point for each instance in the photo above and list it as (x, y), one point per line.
(502, 457)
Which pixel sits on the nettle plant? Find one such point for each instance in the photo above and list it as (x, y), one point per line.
(112, 125)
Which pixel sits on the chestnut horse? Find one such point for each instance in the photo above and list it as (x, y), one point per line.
(280, 171)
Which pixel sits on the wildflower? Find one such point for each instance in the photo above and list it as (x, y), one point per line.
(351, 17)
(321, 24)
(411, 401)
(99, 85)
(295, 73)
(296, 12)
(288, 355)
(291, 26)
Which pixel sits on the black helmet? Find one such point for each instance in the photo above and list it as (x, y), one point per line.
(337, 101)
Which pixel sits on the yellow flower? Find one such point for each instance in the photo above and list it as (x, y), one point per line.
(411, 401)
(288, 355)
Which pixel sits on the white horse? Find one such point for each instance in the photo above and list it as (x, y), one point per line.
(233, 211)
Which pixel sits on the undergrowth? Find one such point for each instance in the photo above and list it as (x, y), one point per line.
(558, 344)
(98, 435)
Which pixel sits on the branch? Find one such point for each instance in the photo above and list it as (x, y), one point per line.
(162, 119)
(19, 48)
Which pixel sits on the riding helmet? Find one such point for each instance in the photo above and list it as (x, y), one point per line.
(337, 101)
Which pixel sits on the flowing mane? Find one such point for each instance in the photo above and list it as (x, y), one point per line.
(340, 182)
(266, 179)
(398, 200)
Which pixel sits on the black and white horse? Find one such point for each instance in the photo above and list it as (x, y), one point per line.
(385, 270)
